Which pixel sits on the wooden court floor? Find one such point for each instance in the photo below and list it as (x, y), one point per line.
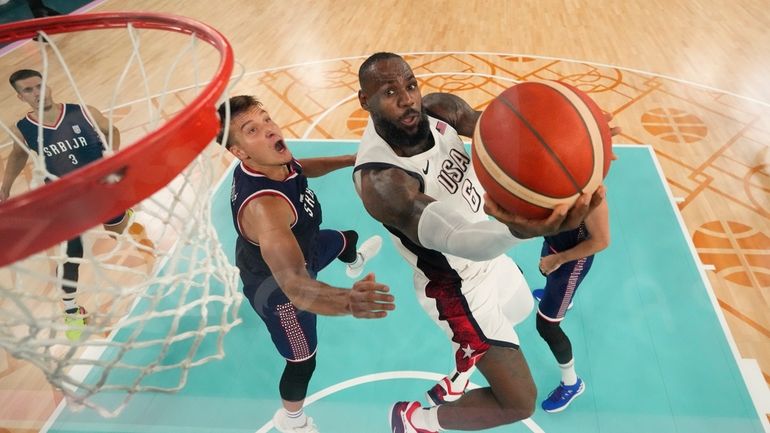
(613, 311)
(642, 61)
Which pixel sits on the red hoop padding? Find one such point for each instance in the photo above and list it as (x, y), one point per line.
(63, 209)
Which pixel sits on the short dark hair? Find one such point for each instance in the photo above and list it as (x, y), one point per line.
(238, 104)
(363, 70)
(23, 74)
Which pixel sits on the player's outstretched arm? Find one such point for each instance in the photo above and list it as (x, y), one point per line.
(370, 299)
(393, 197)
(316, 167)
(267, 221)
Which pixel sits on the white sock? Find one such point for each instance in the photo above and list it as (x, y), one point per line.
(460, 379)
(568, 374)
(295, 419)
(70, 305)
(427, 419)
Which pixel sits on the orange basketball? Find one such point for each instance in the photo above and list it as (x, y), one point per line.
(539, 144)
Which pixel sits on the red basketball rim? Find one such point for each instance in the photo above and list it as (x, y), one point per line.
(63, 209)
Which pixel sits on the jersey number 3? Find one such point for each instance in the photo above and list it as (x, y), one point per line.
(73, 159)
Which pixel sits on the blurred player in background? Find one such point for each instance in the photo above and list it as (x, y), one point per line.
(70, 141)
(281, 248)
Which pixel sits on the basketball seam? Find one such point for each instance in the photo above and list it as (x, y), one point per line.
(583, 120)
(498, 168)
(506, 182)
(593, 130)
(542, 141)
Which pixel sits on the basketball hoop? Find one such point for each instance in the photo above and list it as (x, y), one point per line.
(135, 304)
(112, 184)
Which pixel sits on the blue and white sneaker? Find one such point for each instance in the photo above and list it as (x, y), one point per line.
(538, 295)
(562, 396)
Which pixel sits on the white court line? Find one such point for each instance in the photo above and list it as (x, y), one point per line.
(425, 53)
(747, 380)
(621, 68)
(339, 103)
(533, 56)
(750, 368)
(377, 377)
(326, 112)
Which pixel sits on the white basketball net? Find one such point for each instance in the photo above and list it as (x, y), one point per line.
(160, 296)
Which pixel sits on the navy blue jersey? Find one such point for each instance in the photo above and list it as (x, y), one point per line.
(567, 239)
(248, 185)
(70, 143)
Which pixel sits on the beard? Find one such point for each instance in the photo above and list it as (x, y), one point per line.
(395, 135)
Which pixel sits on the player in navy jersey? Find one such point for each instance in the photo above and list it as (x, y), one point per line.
(565, 260)
(280, 249)
(414, 175)
(69, 141)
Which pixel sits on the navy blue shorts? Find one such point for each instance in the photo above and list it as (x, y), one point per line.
(117, 220)
(561, 285)
(293, 331)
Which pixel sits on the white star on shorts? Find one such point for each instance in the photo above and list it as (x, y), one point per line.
(468, 351)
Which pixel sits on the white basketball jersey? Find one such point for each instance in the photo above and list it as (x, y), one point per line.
(445, 173)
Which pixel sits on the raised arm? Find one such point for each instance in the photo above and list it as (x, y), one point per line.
(17, 159)
(453, 110)
(267, 221)
(598, 225)
(316, 167)
(104, 125)
(393, 197)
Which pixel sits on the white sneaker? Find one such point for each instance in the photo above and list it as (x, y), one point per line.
(281, 421)
(366, 252)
